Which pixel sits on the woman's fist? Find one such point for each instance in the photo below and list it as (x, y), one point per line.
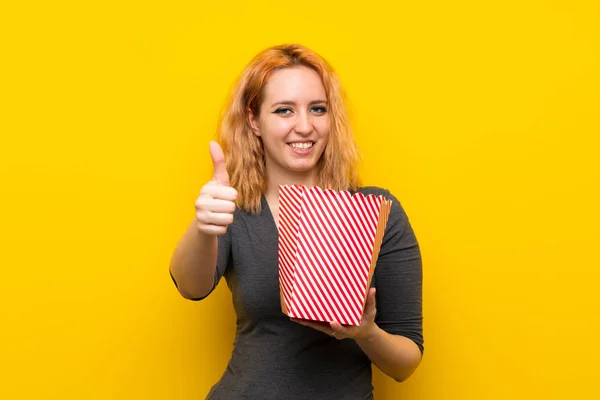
(216, 203)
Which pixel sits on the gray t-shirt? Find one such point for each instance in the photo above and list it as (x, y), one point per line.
(274, 358)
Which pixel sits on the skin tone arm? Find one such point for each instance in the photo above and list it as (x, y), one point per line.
(193, 262)
(395, 355)
(195, 258)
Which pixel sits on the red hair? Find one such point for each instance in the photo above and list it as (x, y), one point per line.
(244, 152)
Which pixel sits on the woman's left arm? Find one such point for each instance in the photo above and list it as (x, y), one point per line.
(395, 355)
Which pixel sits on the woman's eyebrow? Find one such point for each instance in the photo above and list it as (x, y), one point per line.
(293, 103)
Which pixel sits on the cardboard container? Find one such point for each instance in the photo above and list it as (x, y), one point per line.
(328, 246)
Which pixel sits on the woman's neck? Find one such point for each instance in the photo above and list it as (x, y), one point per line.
(287, 177)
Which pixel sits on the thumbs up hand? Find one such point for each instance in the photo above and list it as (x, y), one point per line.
(216, 203)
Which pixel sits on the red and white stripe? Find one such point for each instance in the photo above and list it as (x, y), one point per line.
(290, 198)
(326, 243)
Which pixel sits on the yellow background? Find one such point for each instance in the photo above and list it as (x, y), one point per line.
(482, 117)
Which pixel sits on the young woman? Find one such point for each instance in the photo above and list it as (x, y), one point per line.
(286, 124)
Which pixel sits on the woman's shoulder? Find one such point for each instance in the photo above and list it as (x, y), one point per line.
(397, 213)
(377, 191)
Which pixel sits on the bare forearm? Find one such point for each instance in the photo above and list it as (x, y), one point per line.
(397, 356)
(194, 261)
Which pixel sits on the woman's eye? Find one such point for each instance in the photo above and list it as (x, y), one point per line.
(319, 110)
(283, 111)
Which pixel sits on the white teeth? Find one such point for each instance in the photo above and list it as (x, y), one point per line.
(302, 146)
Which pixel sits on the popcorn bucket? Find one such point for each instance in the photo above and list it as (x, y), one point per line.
(328, 246)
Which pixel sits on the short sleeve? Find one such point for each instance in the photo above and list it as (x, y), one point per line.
(398, 278)
(223, 260)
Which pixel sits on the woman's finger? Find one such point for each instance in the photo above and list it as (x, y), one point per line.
(218, 218)
(339, 331)
(221, 206)
(320, 327)
(370, 306)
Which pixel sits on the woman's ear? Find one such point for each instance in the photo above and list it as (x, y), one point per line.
(253, 121)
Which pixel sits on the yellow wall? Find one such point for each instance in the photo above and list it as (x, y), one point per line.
(482, 117)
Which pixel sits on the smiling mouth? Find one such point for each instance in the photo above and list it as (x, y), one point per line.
(301, 146)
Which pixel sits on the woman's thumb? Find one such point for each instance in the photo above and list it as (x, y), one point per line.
(218, 158)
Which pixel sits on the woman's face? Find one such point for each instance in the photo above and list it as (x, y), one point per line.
(293, 121)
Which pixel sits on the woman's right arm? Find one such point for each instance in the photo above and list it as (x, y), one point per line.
(194, 260)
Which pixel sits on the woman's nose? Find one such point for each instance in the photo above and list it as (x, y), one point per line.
(303, 124)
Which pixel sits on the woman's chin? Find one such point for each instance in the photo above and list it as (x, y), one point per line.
(301, 167)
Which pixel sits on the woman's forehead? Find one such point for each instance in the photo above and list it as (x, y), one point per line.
(299, 85)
